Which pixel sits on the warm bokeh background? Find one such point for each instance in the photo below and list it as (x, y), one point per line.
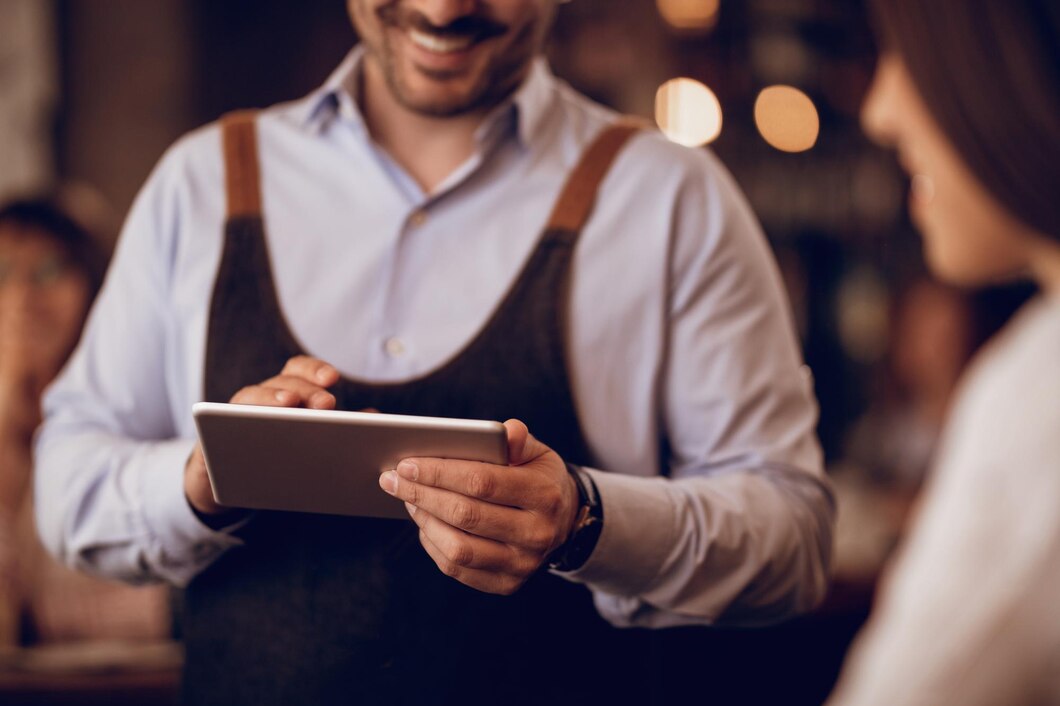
(93, 91)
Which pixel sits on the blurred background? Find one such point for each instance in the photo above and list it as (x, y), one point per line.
(93, 91)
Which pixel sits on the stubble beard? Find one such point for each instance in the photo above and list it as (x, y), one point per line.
(500, 77)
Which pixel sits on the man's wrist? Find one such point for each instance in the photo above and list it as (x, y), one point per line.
(207, 510)
(588, 523)
(218, 521)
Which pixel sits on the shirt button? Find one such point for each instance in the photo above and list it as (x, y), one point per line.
(418, 218)
(394, 346)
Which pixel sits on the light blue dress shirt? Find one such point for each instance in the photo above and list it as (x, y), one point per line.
(678, 329)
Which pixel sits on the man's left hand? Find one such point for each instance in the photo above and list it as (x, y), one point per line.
(489, 526)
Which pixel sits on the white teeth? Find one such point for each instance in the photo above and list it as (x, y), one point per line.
(441, 45)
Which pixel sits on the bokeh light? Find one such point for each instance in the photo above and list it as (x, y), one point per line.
(687, 112)
(689, 15)
(787, 118)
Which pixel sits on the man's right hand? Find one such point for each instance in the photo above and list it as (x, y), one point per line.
(301, 383)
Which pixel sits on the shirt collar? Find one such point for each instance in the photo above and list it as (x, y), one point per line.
(533, 100)
(337, 97)
(528, 106)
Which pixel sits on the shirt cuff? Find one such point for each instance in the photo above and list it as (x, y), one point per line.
(637, 538)
(182, 545)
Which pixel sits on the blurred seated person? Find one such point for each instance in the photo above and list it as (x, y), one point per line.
(968, 93)
(50, 269)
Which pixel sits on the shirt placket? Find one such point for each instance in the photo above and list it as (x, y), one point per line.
(395, 340)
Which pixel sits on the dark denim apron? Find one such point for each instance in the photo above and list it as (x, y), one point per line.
(319, 609)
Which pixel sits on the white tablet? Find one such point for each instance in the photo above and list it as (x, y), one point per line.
(308, 460)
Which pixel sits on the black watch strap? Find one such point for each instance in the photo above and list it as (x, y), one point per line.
(588, 524)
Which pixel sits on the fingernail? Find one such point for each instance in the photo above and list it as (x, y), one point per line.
(408, 469)
(388, 482)
(324, 373)
(283, 396)
(411, 508)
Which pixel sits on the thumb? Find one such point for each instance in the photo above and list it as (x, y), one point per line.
(522, 446)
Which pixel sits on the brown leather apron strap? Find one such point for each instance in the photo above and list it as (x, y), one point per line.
(242, 177)
(576, 201)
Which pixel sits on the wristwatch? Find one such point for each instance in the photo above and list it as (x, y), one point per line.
(588, 524)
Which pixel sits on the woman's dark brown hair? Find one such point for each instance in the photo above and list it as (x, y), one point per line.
(44, 216)
(989, 72)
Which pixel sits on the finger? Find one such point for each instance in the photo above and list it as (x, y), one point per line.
(522, 446)
(500, 485)
(472, 552)
(504, 524)
(526, 488)
(266, 396)
(310, 394)
(487, 581)
(312, 370)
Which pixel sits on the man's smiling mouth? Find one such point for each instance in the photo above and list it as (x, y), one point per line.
(457, 36)
(441, 44)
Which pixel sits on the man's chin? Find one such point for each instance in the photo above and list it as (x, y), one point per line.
(439, 109)
(439, 101)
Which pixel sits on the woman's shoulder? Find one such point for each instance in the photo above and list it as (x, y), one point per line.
(1023, 361)
(1008, 406)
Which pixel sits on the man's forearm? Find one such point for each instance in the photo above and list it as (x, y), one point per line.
(740, 547)
(116, 508)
